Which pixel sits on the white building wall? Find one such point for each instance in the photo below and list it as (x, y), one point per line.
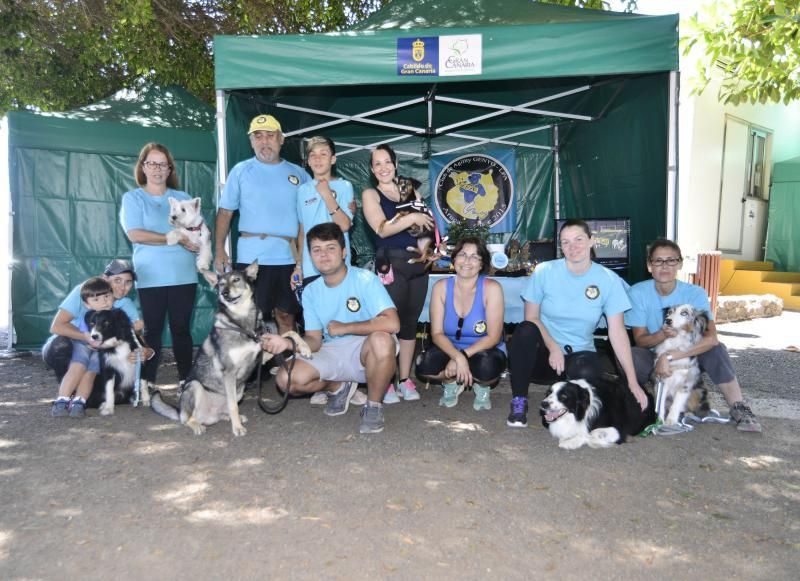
(702, 130)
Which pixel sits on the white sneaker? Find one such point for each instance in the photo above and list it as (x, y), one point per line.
(359, 398)
(319, 398)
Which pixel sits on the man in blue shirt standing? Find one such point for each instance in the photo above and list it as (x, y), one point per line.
(350, 323)
(649, 298)
(264, 191)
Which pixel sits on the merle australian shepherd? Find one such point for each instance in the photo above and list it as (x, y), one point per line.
(600, 414)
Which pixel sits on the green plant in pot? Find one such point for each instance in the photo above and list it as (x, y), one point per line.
(464, 229)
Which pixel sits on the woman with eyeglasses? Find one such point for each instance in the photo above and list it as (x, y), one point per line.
(564, 301)
(166, 275)
(649, 299)
(466, 313)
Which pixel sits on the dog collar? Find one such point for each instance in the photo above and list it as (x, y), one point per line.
(194, 228)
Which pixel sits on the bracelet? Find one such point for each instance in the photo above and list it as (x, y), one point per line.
(336, 210)
(669, 357)
(464, 353)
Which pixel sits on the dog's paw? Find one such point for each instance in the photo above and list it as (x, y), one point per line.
(239, 430)
(243, 418)
(106, 409)
(173, 237)
(571, 444)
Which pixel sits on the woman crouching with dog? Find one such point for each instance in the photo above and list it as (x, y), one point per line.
(166, 274)
(467, 328)
(406, 283)
(564, 301)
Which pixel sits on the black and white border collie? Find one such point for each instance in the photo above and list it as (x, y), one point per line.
(117, 374)
(601, 415)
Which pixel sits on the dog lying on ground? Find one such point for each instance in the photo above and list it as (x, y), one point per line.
(117, 375)
(600, 415)
(227, 357)
(426, 243)
(186, 217)
(684, 388)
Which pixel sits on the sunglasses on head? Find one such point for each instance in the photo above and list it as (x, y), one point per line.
(460, 326)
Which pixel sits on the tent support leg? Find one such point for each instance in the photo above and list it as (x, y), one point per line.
(672, 158)
(222, 157)
(556, 174)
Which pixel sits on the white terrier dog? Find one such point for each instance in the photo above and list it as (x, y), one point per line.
(187, 219)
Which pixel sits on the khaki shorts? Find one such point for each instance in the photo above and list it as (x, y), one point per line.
(340, 359)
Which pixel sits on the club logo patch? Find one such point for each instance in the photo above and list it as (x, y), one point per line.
(479, 328)
(592, 292)
(294, 180)
(475, 188)
(353, 305)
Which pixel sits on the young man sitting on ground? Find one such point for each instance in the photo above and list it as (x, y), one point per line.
(350, 323)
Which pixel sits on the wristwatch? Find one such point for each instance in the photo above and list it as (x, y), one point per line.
(669, 357)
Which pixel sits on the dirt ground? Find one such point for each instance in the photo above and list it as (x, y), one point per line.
(441, 493)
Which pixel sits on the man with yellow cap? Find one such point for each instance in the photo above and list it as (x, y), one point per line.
(264, 191)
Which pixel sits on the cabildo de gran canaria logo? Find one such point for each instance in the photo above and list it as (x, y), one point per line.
(474, 187)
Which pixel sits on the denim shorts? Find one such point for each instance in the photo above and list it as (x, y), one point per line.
(89, 358)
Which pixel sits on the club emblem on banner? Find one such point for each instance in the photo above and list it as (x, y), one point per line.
(477, 188)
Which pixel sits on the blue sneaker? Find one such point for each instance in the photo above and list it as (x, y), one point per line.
(408, 391)
(518, 418)
(371, 419)
(60, 408)
(482, 397)
(450, 394)
(391, 396)
(339, 401)
(77, 408)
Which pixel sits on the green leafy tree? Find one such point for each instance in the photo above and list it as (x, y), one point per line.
(59, 54)
(756, 42)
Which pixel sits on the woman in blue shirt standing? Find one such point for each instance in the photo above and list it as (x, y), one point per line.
(166, 275)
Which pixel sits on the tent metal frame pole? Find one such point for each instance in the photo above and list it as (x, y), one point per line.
(9, 352)
(359, 118)
(556, 174)
(672, 157)
(500, 139)
(222, 157)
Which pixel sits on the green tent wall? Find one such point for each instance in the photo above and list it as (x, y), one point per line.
(783, 232)
(613, 165)
(68, 172)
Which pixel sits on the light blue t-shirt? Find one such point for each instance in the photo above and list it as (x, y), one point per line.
(361, 296)
(572, 305)
(312, 211)
(75, 307)
(647, 306)
(266, 196)
(156, 265)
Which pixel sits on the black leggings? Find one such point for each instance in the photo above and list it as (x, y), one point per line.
(485, 366)
(528, 357)
(408, 289)
(176, 302)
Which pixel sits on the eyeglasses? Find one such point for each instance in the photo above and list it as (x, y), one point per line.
(672, 261)
(468, 257)
(155, 165)
(460, 326)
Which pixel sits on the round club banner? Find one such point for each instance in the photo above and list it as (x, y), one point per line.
(477, 188)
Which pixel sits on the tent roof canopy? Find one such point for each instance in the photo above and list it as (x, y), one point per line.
(122, 123)
(520, 39)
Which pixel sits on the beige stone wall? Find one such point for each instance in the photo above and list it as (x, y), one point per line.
(743, 307)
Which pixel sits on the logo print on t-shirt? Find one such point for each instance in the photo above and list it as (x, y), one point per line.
(592, 292)
(479, 327)
(294, 180)
(353, 305)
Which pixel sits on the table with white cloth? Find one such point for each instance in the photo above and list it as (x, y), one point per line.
(512, 289)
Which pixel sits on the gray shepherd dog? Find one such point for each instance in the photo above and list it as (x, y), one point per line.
(226, 359)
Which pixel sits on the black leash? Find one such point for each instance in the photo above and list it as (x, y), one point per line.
(289, 367)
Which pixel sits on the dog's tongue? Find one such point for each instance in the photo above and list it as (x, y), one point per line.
(552, 416)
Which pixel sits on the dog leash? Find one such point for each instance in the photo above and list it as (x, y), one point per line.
(289, 367)
(137, 383)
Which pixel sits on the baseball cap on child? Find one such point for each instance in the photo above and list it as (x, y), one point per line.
(118, 266)
(264, 123)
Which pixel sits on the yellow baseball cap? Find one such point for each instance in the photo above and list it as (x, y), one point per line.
(264, 123)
